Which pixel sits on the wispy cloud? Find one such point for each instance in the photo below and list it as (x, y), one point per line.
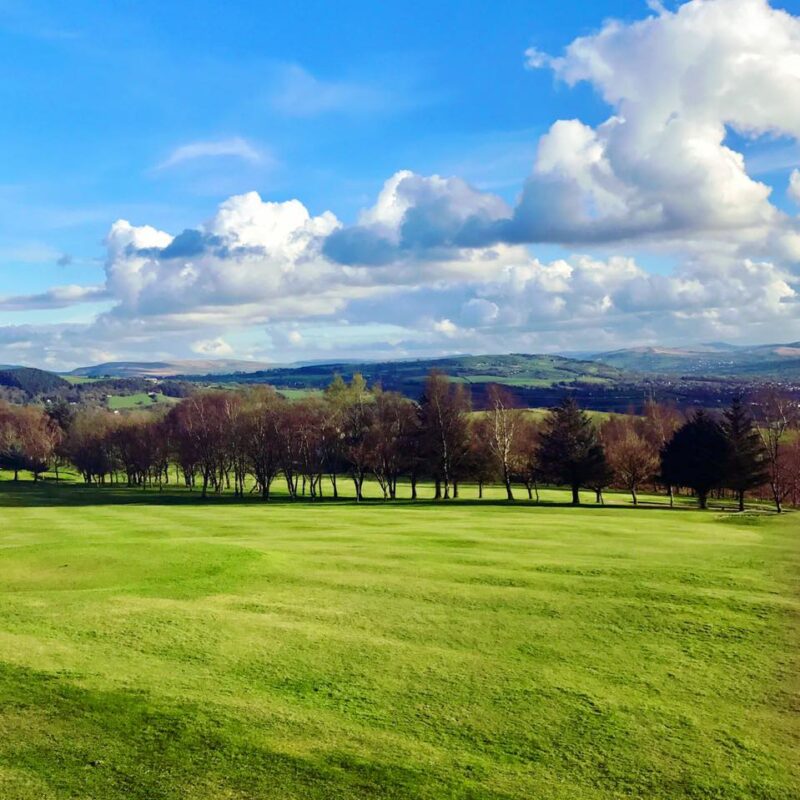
(235, 147)
(772, 157)
(57, 297)
(298, 93)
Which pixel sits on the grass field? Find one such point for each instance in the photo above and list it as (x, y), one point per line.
(153, 647)
(77, 380)
(123, 402)
(299, 394)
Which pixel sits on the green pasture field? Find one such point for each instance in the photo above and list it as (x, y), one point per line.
(299, 394)
(540, 414)
(156, 647)
(79, 379)
(125, 402)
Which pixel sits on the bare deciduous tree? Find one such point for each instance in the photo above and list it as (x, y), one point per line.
(777, 414)
(632, 458)
(443, 416)
(504, 422)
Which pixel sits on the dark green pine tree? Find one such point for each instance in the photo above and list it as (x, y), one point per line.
(697, 457)
(570, 452)
(746, 465)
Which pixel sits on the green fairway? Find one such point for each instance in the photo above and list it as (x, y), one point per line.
(155, 647)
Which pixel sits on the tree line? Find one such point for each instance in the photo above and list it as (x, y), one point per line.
(214, 441)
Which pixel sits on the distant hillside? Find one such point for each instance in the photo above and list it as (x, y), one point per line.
(163, 369)
(517, 371)
(32, 381)
(715, 360)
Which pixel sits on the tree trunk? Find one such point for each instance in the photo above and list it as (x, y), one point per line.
(702, 499)
(741, 499)
(576, 498)
(633, 496)
(776, 496)
(509, 491)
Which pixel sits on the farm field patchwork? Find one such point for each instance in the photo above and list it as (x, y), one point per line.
(155, 647)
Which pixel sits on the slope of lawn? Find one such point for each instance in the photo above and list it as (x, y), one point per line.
(153, 647)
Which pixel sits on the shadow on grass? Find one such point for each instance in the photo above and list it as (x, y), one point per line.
(125, 743)
(22, 494)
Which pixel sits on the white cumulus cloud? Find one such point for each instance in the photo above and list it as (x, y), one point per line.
(436, 263)
(212, 347)
(660, 166)
(794, 187)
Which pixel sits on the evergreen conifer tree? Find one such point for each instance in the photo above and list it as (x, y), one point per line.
(697, 457)
(570, 452)
(746, 466)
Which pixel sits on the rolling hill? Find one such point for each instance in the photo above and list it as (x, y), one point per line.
(706, 375)
(717, 360)
(32, 381)
(517, 371)
(163, 369)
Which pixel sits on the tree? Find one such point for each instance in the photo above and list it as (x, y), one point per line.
(632, 458)
(136, 447)
(262, 419)
(185, 449)
(28, 439)
(393, 426)
(526, 449)
(309, 420)
(569, 451)
(504, 422)
(777, 413)
(660, 423)
(62, 414)
(697, 456)
(790, 458)
(203, 425)
(482, 464)
(747, 458)
(358, 412)
(600, 481)
(89, 444)
(336, 400)
(443, 411)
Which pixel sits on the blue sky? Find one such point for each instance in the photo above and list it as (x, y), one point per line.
(157, 113)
